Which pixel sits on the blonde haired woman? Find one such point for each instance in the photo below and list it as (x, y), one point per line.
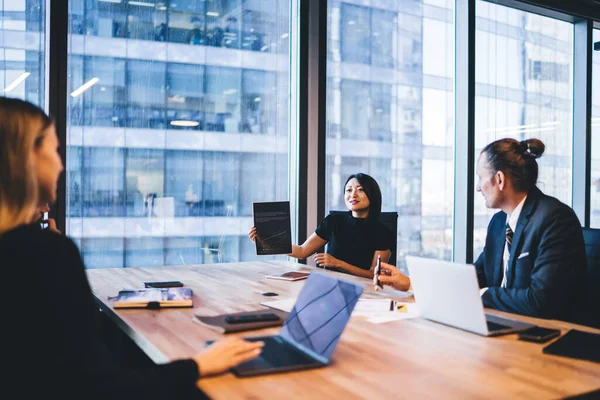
(51, 334)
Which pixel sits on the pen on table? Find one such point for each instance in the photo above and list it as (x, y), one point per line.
(378, 272)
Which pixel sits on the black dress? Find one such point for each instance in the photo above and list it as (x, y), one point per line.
(354, 240)
(51, 330)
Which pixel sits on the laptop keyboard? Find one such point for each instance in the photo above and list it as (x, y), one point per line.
(492, 326)
(277, 353)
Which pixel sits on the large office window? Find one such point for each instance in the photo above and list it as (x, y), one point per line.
(390, 113)
(524, 90)
(178, 121)
(22, 50)
(595, 187)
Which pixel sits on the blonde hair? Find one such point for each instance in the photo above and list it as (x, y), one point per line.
(21, 131)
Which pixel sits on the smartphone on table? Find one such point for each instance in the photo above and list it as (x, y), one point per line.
(163, 284)
(538, 334)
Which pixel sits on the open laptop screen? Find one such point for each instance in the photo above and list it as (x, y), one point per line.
(321, 313)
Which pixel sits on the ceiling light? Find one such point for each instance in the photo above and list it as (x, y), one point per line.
(212, 14)
(110, 1)
(230, 91)
(17, 81)
(351, 22)
(176, 99)
(185, 123)
(257, 99)
(285, 35)
(141, 4)
(84, 87)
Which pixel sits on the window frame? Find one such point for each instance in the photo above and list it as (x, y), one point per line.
(308, 115)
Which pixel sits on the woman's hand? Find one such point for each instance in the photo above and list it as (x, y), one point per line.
(252, 234)
(52, 225)
(225, 354)
(50, 221)
(391, 276)
(327, 260)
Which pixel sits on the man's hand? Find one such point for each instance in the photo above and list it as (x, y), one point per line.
(391, 276)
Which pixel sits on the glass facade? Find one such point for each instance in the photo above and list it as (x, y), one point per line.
(524, 89)
(22, 50)
(595, 184)
(171, 108)
(386, 70)
(180, 115)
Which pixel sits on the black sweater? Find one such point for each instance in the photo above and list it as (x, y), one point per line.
(52, 346)
(354, 240)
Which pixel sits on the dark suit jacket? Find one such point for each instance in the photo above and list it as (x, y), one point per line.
(549, 282)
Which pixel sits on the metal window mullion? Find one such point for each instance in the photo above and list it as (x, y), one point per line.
(582, 114)
(57, 95)
(313, 86)
(464, 128)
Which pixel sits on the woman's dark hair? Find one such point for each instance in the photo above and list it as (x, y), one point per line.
(516, 159)
(372, 191)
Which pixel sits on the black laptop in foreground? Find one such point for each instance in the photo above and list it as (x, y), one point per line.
(311, 331)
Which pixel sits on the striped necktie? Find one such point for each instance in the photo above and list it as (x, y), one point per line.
(509, 236)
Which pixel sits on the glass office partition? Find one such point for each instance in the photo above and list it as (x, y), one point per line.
(524, 89)
(178, 120)
(390, 113)
(23, 50)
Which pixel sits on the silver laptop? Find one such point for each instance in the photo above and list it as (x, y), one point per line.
(311, 331)
(448, 293)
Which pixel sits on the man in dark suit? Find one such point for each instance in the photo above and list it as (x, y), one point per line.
(534, 259)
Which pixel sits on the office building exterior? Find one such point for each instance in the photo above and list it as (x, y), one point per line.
(189, 114)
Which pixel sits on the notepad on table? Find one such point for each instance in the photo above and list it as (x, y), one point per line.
(220, 323)
(290, 276)
(154, 298)
(576, 344)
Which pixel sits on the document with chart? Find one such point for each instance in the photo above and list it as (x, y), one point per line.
(273, 227)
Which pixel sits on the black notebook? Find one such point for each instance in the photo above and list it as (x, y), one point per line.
(576, 344)
(220, 324)
(273, 227)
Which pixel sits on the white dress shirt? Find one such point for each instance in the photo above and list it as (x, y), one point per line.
(512, 220)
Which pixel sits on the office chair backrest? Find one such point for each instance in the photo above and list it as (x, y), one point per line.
(591, 238)
(390, 220)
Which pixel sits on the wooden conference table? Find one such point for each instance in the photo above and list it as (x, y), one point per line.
(412, 358)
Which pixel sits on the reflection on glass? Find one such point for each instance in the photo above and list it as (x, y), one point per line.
(321, 312)
(390, 114)
(233, 24)
(22, 50)
(524, 90)
(166, 101)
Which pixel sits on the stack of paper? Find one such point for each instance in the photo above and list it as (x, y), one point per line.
(283, 304)
(376, 311)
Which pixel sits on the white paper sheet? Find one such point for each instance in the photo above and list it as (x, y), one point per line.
(376, 311)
